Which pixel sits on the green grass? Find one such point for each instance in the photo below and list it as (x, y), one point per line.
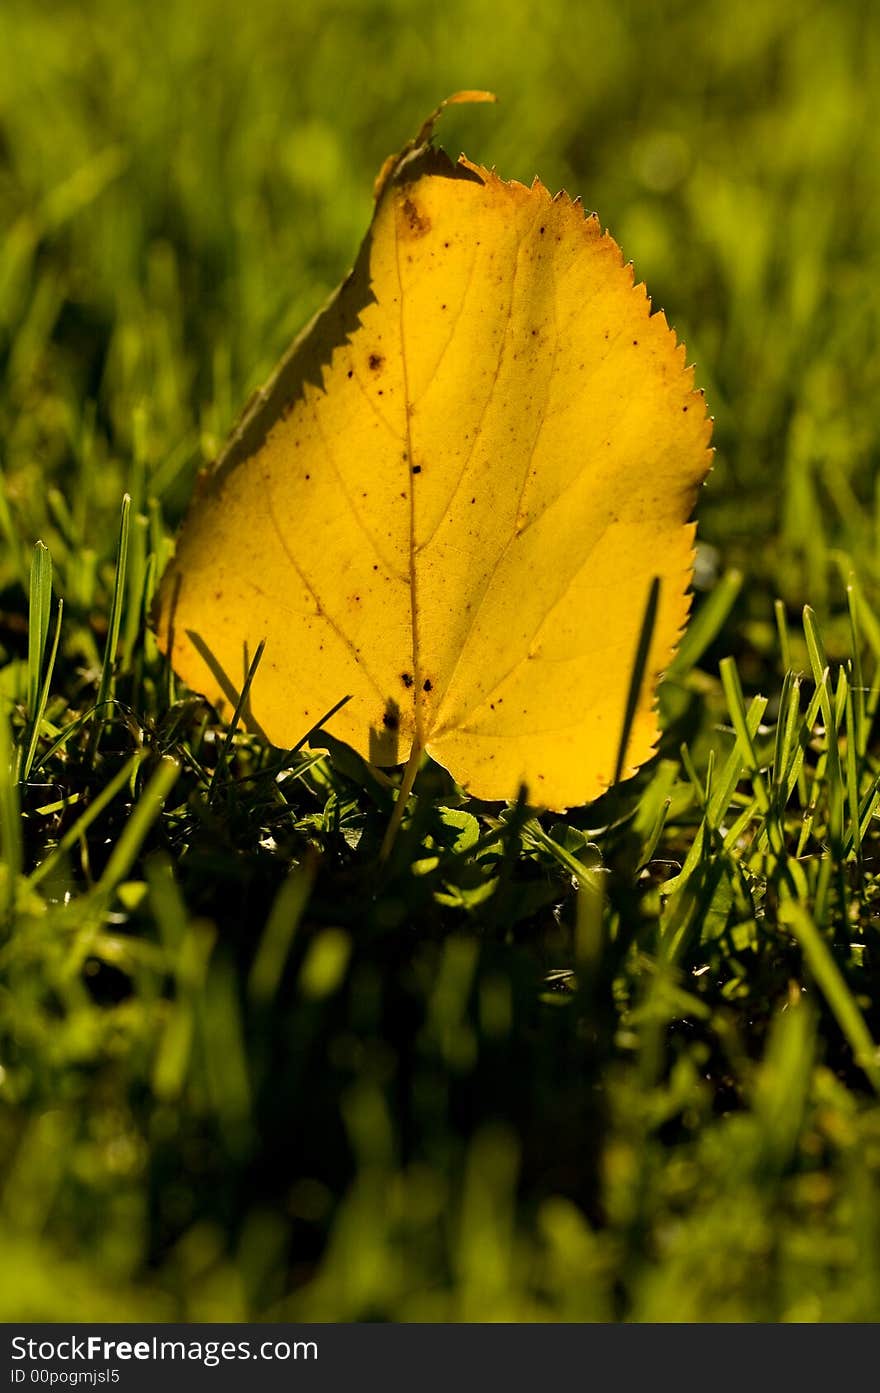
(620, 1065)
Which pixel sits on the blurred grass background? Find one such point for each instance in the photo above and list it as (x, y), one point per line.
(422, 1115)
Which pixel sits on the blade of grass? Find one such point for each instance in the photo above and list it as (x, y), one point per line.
(724, 787)
(867, 808)
(40, 603)
(795, 766)
(816, 785)
(833, 986)
(240, 706)
(784, 640)
(40, 711)
(281, 926)
(857, 676)
(738, 715)
(105, 685)
(589, 931)
(61, 740)
(852, 780)
(533, 834)
(789, 709)
(167, 902)
(138, 540)
(637, 674)
(10, 815)
(783, 1081)
(83, 823)
(830, 708)
(143, 815)
(706, 624)
(9, 530)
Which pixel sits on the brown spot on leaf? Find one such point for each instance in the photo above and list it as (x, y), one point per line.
(416, 223)
(375, 361)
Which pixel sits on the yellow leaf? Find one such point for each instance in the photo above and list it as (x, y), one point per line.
(451, 500)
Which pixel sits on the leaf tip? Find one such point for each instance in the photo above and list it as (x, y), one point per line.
(425, 134)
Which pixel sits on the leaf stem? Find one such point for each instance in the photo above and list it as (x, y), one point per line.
(406, 788)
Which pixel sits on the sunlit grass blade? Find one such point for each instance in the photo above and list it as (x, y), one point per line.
(10, 816)
(533, 834)
(836, 783)
(706, 624)
(62, 739)
(833, 987)
(105, 684)
(852, 778)
(786, 726)
(40, 710)
(815, 787)
(783, 1081)
(189, 965)
(738, 715)
(39, 606)
(240, 708)
(168, 903)
(815, 646)
(653, 810)
(863, 617)
(830, 704)
(856, 730)
(724, 787)
(784, 639)
(867, 807)
(694, 779)
(794, 769)
(289, 758)
(138, 545)
(224, 1052)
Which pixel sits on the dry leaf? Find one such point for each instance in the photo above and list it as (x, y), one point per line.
(452, 498)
